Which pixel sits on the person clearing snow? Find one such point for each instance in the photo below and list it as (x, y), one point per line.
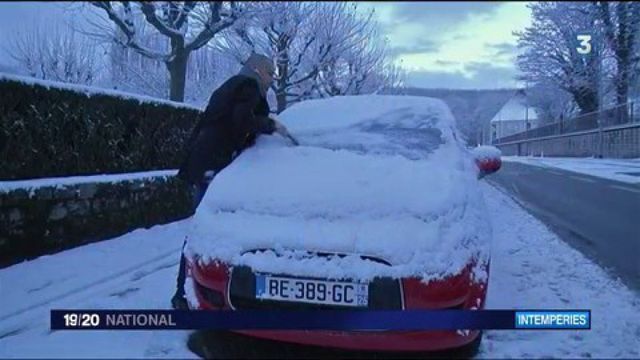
(237, 113)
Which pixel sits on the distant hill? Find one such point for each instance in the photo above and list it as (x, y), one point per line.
(473, 109)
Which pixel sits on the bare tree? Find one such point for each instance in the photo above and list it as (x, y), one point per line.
(621, 21)
(287, 31)
(347, 71)
(551, 103)
(54, 53)
(359, 61)
(187, 25)
(550, 50)
(130, 71)
(133, 72)
(321, 49)
(634, 84)
(204, 75)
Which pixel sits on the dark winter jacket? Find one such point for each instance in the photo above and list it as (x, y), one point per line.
(237, 113)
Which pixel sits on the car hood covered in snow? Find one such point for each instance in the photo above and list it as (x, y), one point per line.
(382, 176)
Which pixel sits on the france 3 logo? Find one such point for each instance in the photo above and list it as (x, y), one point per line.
(584, 47)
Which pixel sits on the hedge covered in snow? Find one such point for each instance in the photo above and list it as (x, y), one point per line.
(50, 129)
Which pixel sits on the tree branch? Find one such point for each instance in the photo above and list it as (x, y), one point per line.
(214, 25)
(149, 11)
(186, 9)
(127, 28)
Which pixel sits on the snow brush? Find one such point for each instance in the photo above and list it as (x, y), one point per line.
(282, 130)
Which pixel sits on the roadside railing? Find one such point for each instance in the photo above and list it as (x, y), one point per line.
(619, 115)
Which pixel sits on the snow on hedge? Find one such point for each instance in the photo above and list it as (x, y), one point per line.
(33, 184)
(92, 91)
(375, 175)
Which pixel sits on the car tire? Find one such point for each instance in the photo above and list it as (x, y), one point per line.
(227, 345)
(216, 345)
(470, 350)
(467, 351)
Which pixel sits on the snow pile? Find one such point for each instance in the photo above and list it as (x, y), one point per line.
(361, 183)
(91, 91)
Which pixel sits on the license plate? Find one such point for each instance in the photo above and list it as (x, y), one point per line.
(279, 288)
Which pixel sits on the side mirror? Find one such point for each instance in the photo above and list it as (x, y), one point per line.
(488, 159)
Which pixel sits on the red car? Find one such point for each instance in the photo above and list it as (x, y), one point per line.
(379, 208)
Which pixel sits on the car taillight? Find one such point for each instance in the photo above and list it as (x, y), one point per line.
(487, 159)
(213, 275)
(447, 293)
(212, 297)
(489, 165)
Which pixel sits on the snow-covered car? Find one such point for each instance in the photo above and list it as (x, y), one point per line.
(378, 208)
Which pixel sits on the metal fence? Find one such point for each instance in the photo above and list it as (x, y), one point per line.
(619, 115)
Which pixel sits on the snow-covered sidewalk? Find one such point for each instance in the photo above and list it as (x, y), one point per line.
(624, 170)
(530, 268)
(133, 271)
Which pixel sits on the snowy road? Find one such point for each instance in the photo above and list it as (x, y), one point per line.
(597, 215)
(531, 268)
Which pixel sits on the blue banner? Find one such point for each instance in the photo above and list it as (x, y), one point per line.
(361, 320)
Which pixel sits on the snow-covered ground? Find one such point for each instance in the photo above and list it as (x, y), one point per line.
(614, 169)
(531, 268)
(136, 270)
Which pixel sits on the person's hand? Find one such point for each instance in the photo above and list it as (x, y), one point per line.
(282, 130)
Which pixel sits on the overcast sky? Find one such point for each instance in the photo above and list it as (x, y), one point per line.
(441, 44)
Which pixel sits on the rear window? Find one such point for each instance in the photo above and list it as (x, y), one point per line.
(400, 132)
(413, 143)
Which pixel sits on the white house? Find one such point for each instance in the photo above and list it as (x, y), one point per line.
(515, 116)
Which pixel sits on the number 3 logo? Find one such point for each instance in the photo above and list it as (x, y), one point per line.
(585, 44)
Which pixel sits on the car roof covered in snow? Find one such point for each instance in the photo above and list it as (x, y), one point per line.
(345, 111)
(376, 175)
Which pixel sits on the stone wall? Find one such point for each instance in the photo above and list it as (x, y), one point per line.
(614, 142)
(47, 219)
